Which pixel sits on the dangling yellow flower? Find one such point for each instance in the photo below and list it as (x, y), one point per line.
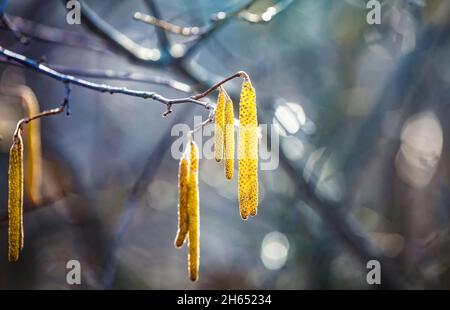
(32, 142)
(248, 152)
(220, 124)
(193, 214)
(229, 139)
(15, 198)
(183, 221)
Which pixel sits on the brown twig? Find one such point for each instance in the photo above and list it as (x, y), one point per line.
(216, 86)
(24, 121)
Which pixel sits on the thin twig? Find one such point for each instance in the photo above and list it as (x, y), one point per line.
(64, 105)
(169, 27)
(218, 84)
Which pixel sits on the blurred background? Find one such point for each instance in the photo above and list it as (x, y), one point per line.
(360, 113)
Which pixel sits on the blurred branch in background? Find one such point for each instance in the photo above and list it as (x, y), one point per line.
(55, 35)
(156, 56)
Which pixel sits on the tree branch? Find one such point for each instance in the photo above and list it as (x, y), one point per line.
(114, 75)
(69, 79)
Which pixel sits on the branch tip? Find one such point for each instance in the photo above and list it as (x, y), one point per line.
(168, 111)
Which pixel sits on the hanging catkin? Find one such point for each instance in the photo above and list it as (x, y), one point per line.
(248, 152)
(33, 161)
(229, 139)
(193, 214)
(15, 199)
(220, 124)
(183, 179)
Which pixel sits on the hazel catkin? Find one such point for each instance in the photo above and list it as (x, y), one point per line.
(183, 220)
(248, 152)
(220, 124)
(193, 214)
(15, 199)
(229, 139)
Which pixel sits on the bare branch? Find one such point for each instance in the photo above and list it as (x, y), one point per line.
(36, 66)
(114, 75)
(70, 79)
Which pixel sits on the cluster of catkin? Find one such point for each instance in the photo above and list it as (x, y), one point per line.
(188, 200)
(188, 208)
(17, 178)
(247, 145)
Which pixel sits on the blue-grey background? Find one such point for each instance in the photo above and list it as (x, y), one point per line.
(364, 159)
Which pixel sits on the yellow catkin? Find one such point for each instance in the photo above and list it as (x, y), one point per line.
(193, 214)
(32, 142)
(220, 124)
(183, 221)
(248, 152)
(15, 200)
(229, 139)
(33, 161)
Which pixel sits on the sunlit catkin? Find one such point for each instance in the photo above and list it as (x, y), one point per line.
(248, 152)
(220, 124)
(183, 179)
(15, 199)
(229, 139)
(193, 214)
